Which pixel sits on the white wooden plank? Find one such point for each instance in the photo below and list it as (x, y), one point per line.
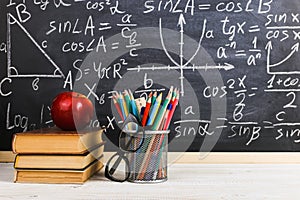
(186, 181)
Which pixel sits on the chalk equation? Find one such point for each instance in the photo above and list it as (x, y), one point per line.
(236, 63)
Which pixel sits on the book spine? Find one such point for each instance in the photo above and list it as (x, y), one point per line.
(14, 142)
(16, 161)
(16, 176)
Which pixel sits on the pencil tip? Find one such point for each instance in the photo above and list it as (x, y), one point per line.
(131, 94)
(160, 95)
(114, 98)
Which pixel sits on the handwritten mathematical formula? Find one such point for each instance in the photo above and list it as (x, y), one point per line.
(251, 44)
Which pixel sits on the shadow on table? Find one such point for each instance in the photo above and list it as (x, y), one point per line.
(99, 176)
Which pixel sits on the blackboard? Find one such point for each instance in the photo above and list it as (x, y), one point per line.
(235, 62)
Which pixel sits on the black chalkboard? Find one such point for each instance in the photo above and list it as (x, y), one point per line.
(235, 62)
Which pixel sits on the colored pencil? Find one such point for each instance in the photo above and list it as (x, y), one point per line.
(162, 110)
(151, 146)
(124, 104)
(117, 106)
(153, 160)
(120, 100)
(154, 110)
(162, 138)
(156, 114)
(171, 113)
(147, 109)
(147, 158)
(133, 106)
(166, 115)
(174, 103)
(158, 161)
(127, 100)
(154, 98)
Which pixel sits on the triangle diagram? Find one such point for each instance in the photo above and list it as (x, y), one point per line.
(25, 57)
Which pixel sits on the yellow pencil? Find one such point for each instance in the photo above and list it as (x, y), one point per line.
(124, 104)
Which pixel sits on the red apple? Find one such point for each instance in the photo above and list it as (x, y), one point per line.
(71, 111)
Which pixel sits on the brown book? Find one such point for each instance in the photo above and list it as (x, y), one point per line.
(56, 141)
(58, 161)
(57, 176)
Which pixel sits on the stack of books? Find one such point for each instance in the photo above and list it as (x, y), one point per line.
(55, 156)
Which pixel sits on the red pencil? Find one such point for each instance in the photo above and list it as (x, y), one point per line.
(117, 106)
(147, 109)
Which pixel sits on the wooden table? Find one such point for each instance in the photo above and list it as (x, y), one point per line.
(186, 181)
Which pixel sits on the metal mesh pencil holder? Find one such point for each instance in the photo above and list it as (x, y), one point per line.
(149, 163)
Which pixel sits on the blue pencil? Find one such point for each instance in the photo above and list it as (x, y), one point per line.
(134, 107)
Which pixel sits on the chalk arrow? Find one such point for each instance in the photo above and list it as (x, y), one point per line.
(269, 46)
(294, 49)
(225, 67)
(181, 20)
(228, 66)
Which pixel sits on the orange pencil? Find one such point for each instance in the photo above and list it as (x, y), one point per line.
(147, 109)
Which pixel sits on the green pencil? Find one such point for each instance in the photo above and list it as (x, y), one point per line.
(154, 97)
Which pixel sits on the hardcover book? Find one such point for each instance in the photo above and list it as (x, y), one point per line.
(57, 176)
(58, 161)
(56, 141)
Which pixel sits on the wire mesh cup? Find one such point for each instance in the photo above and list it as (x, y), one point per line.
(142, 155)
(149, 163)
